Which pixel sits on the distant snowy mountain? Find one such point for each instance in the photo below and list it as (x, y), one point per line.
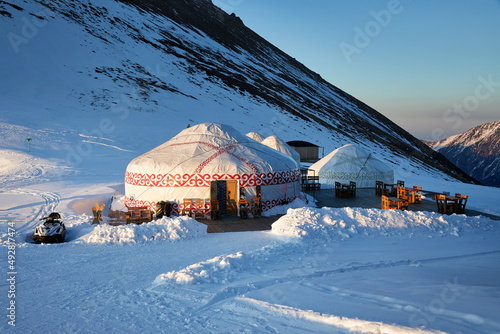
(476, 152)
(104, 81)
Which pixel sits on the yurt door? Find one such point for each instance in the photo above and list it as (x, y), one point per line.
(232, 197)
(226, 192)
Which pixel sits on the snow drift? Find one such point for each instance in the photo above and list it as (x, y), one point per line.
(163, 229)
(344, 223)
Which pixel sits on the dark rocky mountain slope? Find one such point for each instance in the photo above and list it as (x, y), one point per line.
(476, 152)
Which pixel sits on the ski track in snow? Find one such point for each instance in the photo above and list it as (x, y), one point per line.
(356, 325)
(235, 294)
(26, 228)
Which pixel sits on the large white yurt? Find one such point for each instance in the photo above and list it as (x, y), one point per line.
(255, 136)
(210, 160)
(280, 146)
(351, 163)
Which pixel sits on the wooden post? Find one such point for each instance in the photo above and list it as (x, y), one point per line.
(97, 211)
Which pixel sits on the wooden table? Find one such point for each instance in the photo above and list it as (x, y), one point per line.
(453, 201)
(345, 186)
(393, 187)
(413, 194)
(346, 190)
(401, 203)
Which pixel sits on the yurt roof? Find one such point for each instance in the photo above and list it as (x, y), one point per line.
(210, 148)
(280, 146)
(350, 157)
(255, 136)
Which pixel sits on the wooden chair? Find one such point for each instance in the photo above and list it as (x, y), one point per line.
(402, 193)
(340, 191)
(462, 203)
(388, 205)
(214, 209)
(379, 188)
(404, 205)
(352, 189)
(440, 201)
(97, 211)
(187, 206)
(256, 207)
(418, 194)
(198, 210)
(243, 204)
(163, 209)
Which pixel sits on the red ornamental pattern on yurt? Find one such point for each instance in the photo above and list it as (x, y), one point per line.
(178, 207)
(203, 180)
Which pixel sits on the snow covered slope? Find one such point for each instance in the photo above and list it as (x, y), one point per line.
(476, 152)
(105, 81)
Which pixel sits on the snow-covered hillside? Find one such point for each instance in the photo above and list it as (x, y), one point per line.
(123, 77)
(476, 151)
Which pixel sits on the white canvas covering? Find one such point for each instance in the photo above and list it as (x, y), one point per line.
(351, 163)
(184, 166)
(255, 136)
(280, 146)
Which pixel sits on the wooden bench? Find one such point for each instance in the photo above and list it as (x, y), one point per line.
(139, 215)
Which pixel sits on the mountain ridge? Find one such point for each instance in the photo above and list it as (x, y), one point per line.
(476, 151)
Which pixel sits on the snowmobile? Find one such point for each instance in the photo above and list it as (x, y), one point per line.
(52, 230)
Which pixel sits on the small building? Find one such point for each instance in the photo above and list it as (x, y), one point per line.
(308, 152)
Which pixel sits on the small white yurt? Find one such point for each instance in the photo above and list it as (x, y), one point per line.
(255, 136)
(280, 146)
(211, 161)
(351, 163)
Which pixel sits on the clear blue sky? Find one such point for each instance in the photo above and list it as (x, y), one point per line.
(433, 67)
